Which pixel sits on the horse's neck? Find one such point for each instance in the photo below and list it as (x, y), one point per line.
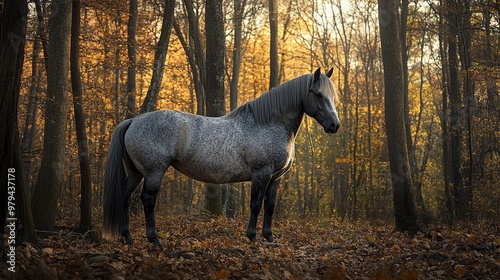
(292, 122)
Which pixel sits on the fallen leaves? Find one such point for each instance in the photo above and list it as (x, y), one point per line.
(201, 248)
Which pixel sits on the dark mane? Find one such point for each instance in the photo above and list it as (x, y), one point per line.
(273, 104)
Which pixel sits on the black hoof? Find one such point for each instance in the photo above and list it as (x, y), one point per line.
(155, 241)
(269, 238)
(252, 237)
(127, 239)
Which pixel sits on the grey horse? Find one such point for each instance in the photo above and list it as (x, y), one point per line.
(255, 142)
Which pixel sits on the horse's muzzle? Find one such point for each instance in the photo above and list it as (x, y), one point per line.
(332, 127)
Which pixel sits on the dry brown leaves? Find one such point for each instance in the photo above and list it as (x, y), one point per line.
(208, 248)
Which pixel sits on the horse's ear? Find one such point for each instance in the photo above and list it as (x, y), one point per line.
(329, 73)
(316, 74)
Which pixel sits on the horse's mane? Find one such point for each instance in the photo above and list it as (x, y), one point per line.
(273, 104)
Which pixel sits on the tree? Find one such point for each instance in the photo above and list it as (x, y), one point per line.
(445, 139)
(132, 60)
(239, 8)
(81, 133)
(51, 176)
(468, 89)
(160, 55)
(193, 47)
(27, 142)
(273, 48)
(455, 104)
(404, 208)
(13, 20)
(214, 88)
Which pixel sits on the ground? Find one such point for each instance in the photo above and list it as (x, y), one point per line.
(217, 248)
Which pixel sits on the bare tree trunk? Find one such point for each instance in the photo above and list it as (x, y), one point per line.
(132, 59)
(149, 103)
(300, 197)
(404, 207)
(418, 172)
(81, 133)
(239, 7)
(456, 103)
(273, 52)
(404, 55)
(445, 142)
(51, 176)
(193, 47)
(30, 124)
(214, 29)
(116, 88)
(42, 31)
(354, 173)
(464, 40)
(13, 21)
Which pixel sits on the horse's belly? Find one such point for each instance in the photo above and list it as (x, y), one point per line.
(217, 171)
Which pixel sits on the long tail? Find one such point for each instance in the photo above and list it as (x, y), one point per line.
(114, 210)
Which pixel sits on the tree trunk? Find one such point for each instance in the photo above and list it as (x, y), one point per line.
(464, 40)
(193, 47)
(404, 55)
(404, 208)
(81, 133)
(237, 21)
(354, 173)
(42, 32)
(445, 142)
(32, 108)
(117, 73)
(239, 7)
(417, 172)
(132, 59)
(149, 103)
(51, 176)
(214, 24)
(273, 51)
(13, 20)
(455, 102)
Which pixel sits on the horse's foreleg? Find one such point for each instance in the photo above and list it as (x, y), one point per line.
(259, 183)
(269, 202)
(148, 198)
(133, 181)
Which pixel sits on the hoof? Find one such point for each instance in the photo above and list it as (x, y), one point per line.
(269, 238)
(268, 235)
(252, 238)
(156, 242)
(127, 239)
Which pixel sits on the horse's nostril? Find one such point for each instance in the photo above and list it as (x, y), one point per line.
(335, 127)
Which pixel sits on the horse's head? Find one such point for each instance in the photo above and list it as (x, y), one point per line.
(319, 101)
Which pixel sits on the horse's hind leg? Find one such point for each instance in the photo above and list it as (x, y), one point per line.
(148, 198)
(133, 180)
(269, 202)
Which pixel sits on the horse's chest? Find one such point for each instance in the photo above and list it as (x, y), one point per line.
(271, 151)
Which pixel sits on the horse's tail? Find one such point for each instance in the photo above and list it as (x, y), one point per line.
(114, 210)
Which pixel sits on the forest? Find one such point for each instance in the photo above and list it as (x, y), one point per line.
(408, 188)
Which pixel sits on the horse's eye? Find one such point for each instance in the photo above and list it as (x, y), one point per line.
(318, 94)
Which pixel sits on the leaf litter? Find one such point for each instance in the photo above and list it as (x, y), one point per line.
(216, 248)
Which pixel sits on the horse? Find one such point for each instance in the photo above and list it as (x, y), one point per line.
(254, 142)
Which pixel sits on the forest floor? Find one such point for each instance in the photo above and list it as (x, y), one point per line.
(216, 248)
